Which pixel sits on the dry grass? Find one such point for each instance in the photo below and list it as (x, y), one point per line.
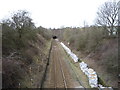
(75, 69)
(104, 61)
(97, 49)
(16, 69)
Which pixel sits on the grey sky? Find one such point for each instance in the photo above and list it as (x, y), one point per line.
(54, 13)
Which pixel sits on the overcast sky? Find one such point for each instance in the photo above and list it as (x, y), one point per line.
(54, 13)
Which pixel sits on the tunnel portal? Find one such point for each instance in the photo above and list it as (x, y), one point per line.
(55, 37)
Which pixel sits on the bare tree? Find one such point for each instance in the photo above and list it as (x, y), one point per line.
(21, 21)
(119, 13)
(107, 15)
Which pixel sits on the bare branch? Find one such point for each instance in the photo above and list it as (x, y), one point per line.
(108, 15)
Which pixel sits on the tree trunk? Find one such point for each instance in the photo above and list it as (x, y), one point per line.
(111, 30)
(20, 33)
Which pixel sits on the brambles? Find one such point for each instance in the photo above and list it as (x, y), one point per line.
(23, 46)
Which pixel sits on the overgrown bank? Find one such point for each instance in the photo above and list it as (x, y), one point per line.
(25, 51)
(99, 50)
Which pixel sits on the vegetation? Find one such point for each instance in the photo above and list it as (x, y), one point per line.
(24, 46)
(108, 16)
(98, 43)
(84, 39)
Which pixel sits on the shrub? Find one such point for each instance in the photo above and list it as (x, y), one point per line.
(47, 34)
(84, 39)
(9, 39)
(13, 72)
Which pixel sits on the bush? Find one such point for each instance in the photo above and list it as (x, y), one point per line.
(13, 72)
(44, 32)
(84, 39)
(9, 39)
(94, 38)
(12, 42)
(22, 47)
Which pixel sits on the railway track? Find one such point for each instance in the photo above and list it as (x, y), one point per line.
(58, 74)
(63, 75)
(54, 66)
(81, 86)
(59, 77)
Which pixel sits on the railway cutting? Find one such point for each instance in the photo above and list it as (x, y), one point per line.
(59, 74)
